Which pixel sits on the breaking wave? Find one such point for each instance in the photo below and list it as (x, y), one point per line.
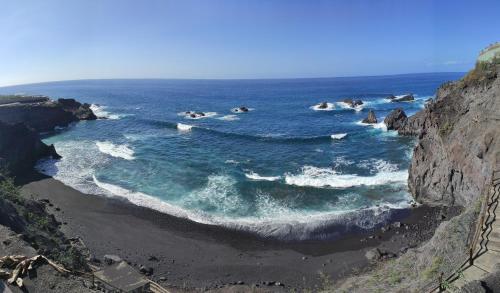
(327, 177)
(338, 135)
(117, 151)
(255, 176)
(100, 112)
(184, 127)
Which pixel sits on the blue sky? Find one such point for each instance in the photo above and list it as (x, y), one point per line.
(61, 40)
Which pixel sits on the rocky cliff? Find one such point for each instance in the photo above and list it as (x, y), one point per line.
(458, 139)
(22, 118)
(21, 147)
(43, 114)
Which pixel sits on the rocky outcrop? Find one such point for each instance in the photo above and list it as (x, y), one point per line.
(46, 114)
(371, 119)
(352, 103)
(458, 146)
(396, 119)
(405, 98)
(21, 147)
(80, 111)
(23, 117)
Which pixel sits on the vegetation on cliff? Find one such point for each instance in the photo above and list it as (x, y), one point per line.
(38, 228)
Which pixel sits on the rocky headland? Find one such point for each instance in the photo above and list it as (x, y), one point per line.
(453, 162)
(22, 118)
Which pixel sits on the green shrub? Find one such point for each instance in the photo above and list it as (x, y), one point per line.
(432, 272)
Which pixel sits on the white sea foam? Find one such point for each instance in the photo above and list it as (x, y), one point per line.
(100, 112)
(380, 125)
(184, 127)
(273, 217)
(118, 151)
(231, 162)
(327, 177)
(338, 135)
(255, 176)
(229, 118)
(329, 107)
(378, 166)
(146, 200)
(357, 108)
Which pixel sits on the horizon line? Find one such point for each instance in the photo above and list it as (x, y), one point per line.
(223, 79)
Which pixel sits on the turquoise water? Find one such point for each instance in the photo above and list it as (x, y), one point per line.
(275, 170)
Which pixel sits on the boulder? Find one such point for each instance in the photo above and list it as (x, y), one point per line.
(373, 254)
(396, 119)
(391, 97)
(371, 119)
(405, 98)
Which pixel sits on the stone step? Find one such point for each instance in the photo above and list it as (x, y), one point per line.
(488, 260)
(494, 235)
(470, 274)
(493, 245)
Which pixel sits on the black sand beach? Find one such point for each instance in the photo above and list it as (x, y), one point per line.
(189, 255)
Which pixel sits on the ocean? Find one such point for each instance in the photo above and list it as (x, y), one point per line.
(284, 169)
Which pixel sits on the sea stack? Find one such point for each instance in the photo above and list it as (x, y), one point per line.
(371, 119)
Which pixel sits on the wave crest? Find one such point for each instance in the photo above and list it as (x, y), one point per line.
(117, 151)
(327, 177)
(257, 177)
(100, 112)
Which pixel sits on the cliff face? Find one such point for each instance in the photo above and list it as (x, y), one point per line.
(45, 115)
(21, 118)
(458, 146)
(21, 147)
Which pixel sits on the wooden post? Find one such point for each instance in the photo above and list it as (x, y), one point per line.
(441, 289)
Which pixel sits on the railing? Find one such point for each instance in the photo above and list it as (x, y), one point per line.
(482, 226)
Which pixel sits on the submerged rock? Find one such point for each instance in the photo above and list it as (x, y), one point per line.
(323, 105)
(405, 98)
(353, 103)
(241, 109)
(371, 119)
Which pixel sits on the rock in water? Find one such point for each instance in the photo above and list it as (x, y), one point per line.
(371, 119)
(405, 98)
(396, 119)
(323, 105)
(391, 97)
(352, 103)
(357, 103)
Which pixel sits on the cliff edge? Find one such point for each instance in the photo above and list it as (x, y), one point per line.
(458, 139)
(21, 120)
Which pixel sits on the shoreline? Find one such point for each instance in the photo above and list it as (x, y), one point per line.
(187, 254)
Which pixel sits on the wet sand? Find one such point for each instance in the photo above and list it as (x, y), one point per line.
(185, 254)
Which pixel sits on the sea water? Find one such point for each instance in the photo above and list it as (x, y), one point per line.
(285, 168)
